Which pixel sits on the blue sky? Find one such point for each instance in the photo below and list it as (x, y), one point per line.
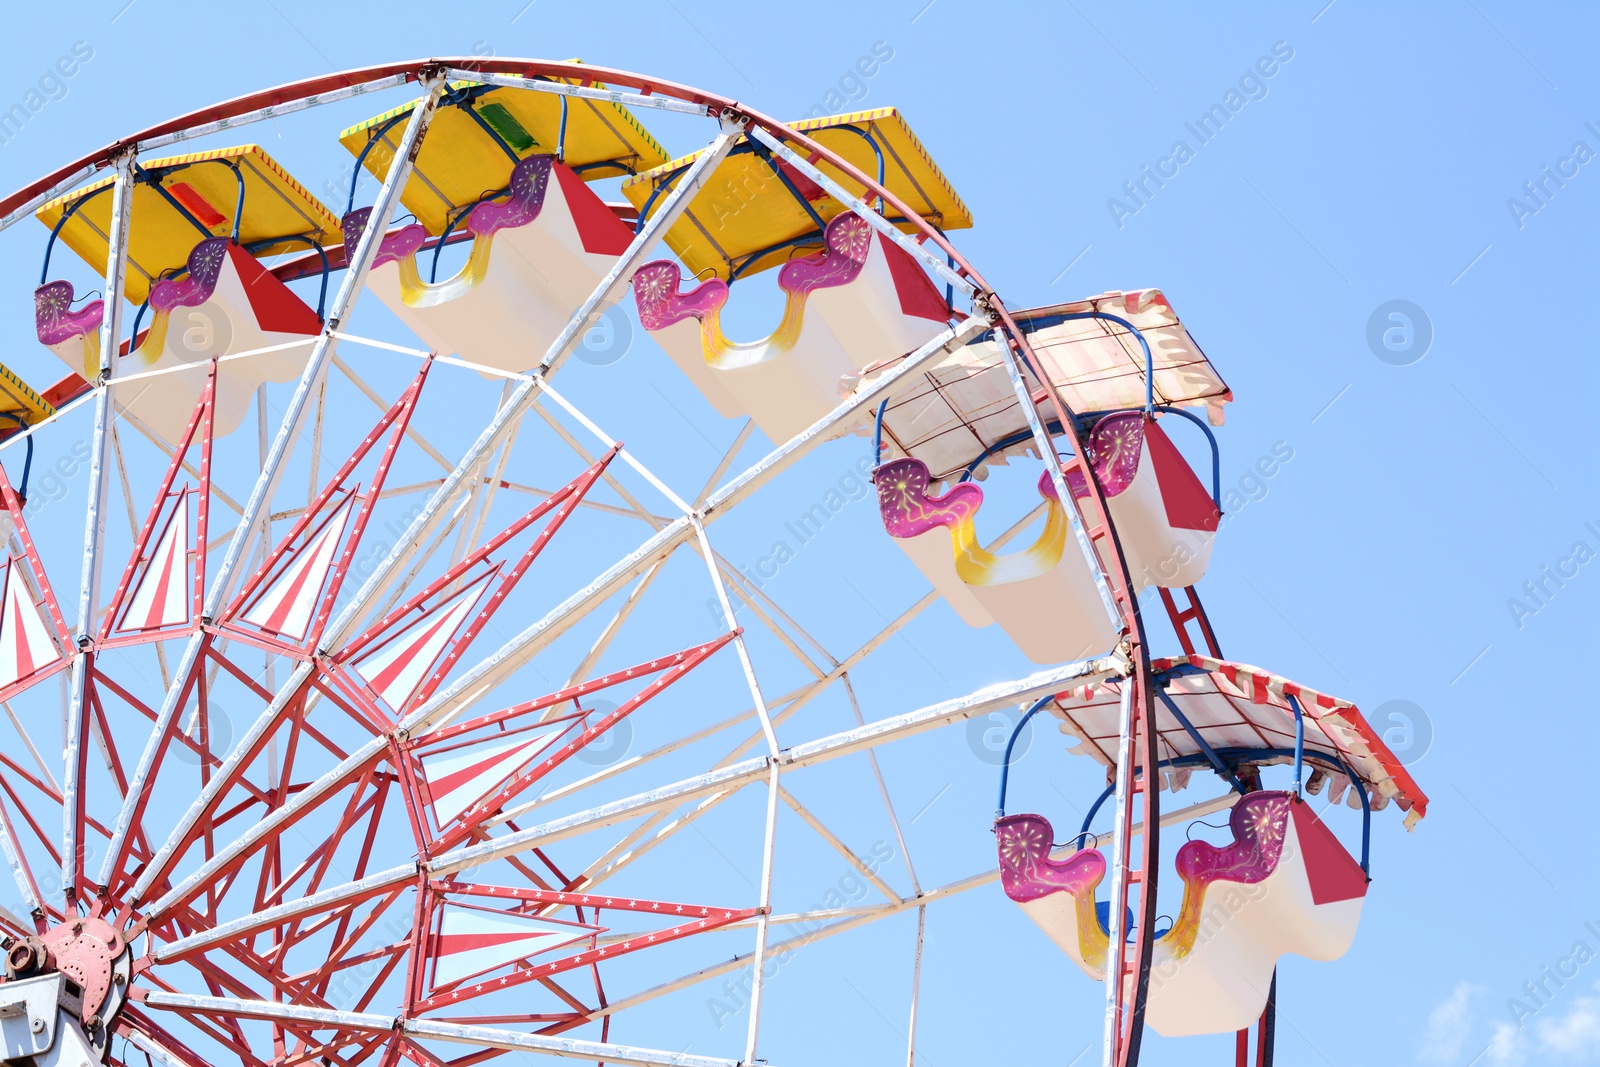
(1434, 539)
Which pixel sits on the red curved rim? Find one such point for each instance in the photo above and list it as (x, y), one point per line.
(527, 68)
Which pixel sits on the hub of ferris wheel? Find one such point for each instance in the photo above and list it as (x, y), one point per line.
(63, 988)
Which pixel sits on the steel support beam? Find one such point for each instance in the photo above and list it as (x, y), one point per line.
(72, 799)
(424, 1029)
(366, 250)
(1000, 695)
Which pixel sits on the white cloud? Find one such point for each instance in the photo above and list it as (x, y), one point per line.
(1449, 1025)
(1576, 1034)
(1506, 1046)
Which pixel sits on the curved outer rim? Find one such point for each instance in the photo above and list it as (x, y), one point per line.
(292, 92)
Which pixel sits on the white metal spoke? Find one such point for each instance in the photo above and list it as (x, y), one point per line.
(94, 527)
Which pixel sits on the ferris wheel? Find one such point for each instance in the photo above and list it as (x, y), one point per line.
(352, 622)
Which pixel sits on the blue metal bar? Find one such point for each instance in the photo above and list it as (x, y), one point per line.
(1043, 321)
(433, 269)
(756, 256)
(238, 205)
(27, 462)
(1005, 765)
(138, 317)
(72, 208)
(461, 213)
(1299, 742)
(1334, 761)
(661, 187)
(766, 155)
(322, 253)
(876, 151)
(372, 139)
(616, 164)
(561, 135)
(154, 180)
(877, 435)
(1051, 427)
(1216, 454)
(1149, 359)
(1094, 809)
(1087, 418)
(1366, 817)
(1217, 765)
(490, 130)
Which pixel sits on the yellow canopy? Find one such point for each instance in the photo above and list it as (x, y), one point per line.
(461, 161)
(17, 399)
(160, 237)
(744, 208)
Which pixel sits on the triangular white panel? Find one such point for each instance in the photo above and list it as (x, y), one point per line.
(395, 670)
(162, 596)
(473, 941)
(459, 779)
(286, 607)
(25, 644)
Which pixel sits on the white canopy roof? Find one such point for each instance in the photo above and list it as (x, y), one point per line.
(963, 404)
(1238, 710)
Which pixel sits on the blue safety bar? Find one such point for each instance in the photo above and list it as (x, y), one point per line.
(1094, 809)
(1087, 418)
(1222, 769)
(460, 215)
(877, 435)
(561, 134)
(372, 139)
(1041, 322)
(1333, 761)
(1299, 741)
(72, 208)
(765, 155)
(27, 461)
(238, 205)
(1005, 765)
(1149, 359)
(877, 152)
(1051, 427)
(322, 296)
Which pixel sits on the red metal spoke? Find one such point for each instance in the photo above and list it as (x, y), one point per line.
(586, 957)
(314, 522)
(582, 900)
(573, 692)
(203, 407)
(671, 668)
(566, 498)
(187, 684)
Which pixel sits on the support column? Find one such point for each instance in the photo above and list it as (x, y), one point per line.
(75, 754)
